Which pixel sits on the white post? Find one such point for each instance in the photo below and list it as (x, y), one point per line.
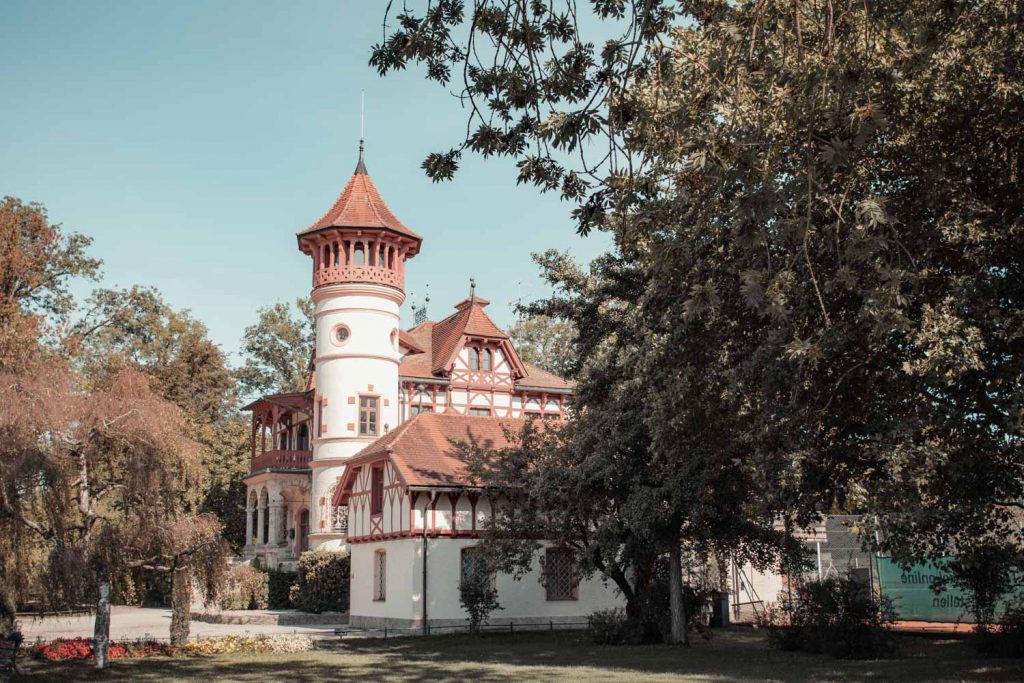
(261, 511)
(248, 525)
(275, 532)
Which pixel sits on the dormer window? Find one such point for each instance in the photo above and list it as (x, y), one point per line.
(488, 360)
(474, 358)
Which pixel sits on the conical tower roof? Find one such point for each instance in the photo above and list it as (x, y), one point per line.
(360, 206)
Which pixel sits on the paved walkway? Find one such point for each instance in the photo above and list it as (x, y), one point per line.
(130, 623)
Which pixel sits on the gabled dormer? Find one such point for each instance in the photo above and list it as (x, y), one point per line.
(471, 350)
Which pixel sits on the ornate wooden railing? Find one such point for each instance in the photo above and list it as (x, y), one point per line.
(281, 460)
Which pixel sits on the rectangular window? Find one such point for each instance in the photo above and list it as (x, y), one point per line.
(376, 490)
(416, 410)
(380, 574)
(319, 417)
(368, 414)
(475, 567)
(559, 575)
(479, 411)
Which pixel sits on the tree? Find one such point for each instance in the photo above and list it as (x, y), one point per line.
(136, 328)
(277, 349)
(545, 342)
(99, 476)
(107, 479)
(816, 206)
(37, 259)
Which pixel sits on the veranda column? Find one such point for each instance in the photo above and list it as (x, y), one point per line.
(261, 511)
(248, 523)
(273, 536)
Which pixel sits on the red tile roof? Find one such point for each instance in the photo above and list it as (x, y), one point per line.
(542, 379)
(469, 319)
(360, 206)
(424, 449)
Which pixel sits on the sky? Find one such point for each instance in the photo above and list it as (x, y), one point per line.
(192, 138)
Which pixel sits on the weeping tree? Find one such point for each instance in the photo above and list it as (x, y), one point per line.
(105, 481)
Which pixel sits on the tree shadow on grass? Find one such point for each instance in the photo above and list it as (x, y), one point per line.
(734, 654)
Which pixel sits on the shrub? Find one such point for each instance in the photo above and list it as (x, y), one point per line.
(278, 589)
(478, 598)
(1008, 639)
(247, 588)
(840, 617)
(607, 627)
(322, 583)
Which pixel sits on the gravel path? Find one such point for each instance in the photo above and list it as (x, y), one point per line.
(129, 623)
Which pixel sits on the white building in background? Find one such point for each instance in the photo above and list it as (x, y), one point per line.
(363, 460)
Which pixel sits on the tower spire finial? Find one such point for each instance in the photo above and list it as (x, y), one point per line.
(361, 166)
(472, 290)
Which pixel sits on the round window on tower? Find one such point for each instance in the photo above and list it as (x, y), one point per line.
(394, 339)
(340, 335)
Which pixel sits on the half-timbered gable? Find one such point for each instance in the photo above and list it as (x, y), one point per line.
(420, 472)
(468, 365)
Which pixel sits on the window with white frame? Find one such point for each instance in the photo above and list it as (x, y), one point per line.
(369, 407)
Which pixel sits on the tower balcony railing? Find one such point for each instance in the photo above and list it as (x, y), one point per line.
(376, 274)
(281, 460)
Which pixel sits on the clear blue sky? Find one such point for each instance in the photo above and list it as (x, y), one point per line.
(191, 139)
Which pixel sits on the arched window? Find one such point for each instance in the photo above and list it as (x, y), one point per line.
(474, 358)
(359, 255)
(488, 360)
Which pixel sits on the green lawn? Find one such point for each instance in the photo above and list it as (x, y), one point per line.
(733, 655)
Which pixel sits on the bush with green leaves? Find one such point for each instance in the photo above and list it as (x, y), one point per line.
(322, 583)
(279, 585)
(479, 599)
(1008, 639)
(607, 627)
(246, 589)
(838, 616)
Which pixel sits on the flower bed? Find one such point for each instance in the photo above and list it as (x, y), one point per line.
(64, 649)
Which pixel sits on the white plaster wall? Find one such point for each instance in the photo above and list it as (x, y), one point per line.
(343, 371)
(403, 596)
(751, 585)
(522, 601)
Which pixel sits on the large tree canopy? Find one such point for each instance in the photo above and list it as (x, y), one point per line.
(277, 349)
(818, 230)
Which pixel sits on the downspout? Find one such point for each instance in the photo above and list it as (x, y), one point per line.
(430, 500)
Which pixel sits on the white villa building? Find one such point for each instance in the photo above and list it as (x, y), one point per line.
(363, 460)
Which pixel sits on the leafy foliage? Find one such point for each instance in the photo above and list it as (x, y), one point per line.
(247, 588)
(478, 598)
(815, 285)
(545, 342)
(277, 349)
(279, 588)
(839, 616)
(323, 582)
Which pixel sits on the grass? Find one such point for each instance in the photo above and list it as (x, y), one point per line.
(734, 654)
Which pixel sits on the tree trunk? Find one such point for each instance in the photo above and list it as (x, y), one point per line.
(101, 627)
(677, 601)
(181, 605)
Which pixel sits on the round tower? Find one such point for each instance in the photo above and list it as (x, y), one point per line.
(359, 249)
